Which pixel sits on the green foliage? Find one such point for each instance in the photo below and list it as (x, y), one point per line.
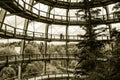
(88, 63)
(6, 73)
(116, 9)
(116, 6)
(72, 64)
(7, 51)
(41, 47)
(114, 60)
(107, 70)
(39, 66)
(31, 50)
(52, 69)
(31, 70)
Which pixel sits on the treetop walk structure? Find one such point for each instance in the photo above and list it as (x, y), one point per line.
(75, 4)
(57, 76)
(27, 58)
(88, 15)
(19, 7)
(8, 31)
(15, 59)
(54, 76)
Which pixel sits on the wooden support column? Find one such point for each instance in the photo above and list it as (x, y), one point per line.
(67, 38)
(45, 50)
(23, 41)
(108, 17)
(26, 23)
(46, 36)
(109, 25)
(2, 16)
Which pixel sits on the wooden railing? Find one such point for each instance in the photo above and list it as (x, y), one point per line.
(61, 18)
(10, 59)
(8, 30)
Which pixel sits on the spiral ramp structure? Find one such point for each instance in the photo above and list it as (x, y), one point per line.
(52, 21)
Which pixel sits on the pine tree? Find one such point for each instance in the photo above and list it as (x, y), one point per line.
(88, 63)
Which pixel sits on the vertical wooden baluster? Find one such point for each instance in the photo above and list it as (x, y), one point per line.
(33, 35)
(14, 32)
(5, 30)
(29, 58)
(7, 60)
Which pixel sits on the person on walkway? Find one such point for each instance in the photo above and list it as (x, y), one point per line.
(61, 36)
